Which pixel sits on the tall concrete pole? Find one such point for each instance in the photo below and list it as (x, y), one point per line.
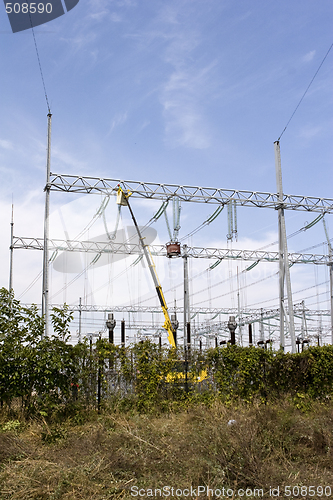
(331, 298)
(261, 326)
(186, 295)
(330, 253)
(80, 318)
(281, 283)
(45, 295)
(11, 250)
(284, 263)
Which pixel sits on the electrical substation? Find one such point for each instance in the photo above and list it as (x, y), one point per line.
(169, 299)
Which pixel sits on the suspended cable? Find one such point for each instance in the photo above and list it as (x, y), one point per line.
(294, 293)
(40, 66)
(210, 219)
(295, 233)
(298, 105)
(228, 293)
(31, 284)
(313, 246)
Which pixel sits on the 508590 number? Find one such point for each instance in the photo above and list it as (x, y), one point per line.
(311, 491)
(31, 8)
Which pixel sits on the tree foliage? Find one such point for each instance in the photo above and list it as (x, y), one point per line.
(48, 373)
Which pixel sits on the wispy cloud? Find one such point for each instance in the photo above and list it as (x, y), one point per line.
(143, 125)
(186, 86)
(85, 32)
(309, 56)
(64, 161)
(4, 144)
(309, 132)
(118, 120)
(186, 124)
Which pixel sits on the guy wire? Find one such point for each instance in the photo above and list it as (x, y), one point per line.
(298, 105)
(40, 66)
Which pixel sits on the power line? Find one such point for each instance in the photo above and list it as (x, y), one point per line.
(40, 66)
(298, 105)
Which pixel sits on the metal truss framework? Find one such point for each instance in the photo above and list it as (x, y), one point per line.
(248, 315)
(160, 251)
(150, 190)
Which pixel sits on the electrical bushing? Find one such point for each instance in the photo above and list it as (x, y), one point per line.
(110, 325)
(232, 325)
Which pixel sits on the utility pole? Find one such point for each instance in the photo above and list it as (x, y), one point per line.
(45, 295)
(187, 317)
(283, 258)
(239, 308)
(11, 250)
(304, 329)
(330, 253)
(261, 326)
(80, 317)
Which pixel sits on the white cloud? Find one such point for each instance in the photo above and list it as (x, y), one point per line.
(309, 132)
(309, 56)
(64, 159)
(118, 120)
(183, 93)
(4, 144)
(143, 125)
(186, 123)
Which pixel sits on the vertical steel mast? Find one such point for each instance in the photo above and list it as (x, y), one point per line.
(45, 294)
(283, 259)
(187, 317)
(11, 250)
(330, 253)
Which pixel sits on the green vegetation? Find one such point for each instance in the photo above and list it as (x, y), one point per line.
(90, 422)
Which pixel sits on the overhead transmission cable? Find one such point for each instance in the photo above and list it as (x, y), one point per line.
(40, 66)
(49, 111)
(294, 293)
(295, 233)
(306, 91)
(210, 219)
(34, 281)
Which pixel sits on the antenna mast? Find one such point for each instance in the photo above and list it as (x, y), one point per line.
(283, 259)
(11, 250)
(45, 295)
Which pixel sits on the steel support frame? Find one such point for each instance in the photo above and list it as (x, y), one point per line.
(160, 251)
(279, 201)
(283, 257)
(45, 293)
(150, 190)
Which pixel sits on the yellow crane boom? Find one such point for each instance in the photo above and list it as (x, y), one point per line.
(122, 199)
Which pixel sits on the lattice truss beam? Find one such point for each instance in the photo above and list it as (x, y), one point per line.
(150, 190)
(160, 251)
(248, 315)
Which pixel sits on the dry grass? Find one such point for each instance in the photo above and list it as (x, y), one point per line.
(103, 458)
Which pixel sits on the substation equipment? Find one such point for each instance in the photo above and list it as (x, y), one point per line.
(184, 193)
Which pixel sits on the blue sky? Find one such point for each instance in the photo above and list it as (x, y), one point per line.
(186, 92)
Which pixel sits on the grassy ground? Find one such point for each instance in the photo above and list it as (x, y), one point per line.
(95, 457)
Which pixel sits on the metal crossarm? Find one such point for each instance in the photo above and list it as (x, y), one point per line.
(248, 315)
(150, 190)
(160, 251)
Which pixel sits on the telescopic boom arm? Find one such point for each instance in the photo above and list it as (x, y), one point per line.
(122, 199)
